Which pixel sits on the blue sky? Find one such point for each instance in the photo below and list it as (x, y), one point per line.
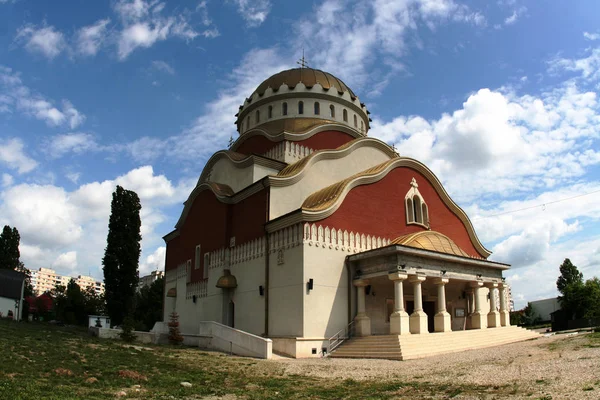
(499, 98)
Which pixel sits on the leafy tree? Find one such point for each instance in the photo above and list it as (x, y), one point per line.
(94, 303)
(28, 286)
(122, 254)
(174, 333)
(127, 331)
(572, 288)
(59, 296)
(9, 248)
(149, 304)
(592, 298)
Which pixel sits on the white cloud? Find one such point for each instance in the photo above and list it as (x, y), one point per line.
(90, 38)
(163, 67)
(589, 66)
(18, 96)
(45, 40)
(77, 143)
(12, 155)
(66, 261)
(70, 227)
(516, 14)
(254, 12)
(591, 36)
(144, 25)
(154, 261)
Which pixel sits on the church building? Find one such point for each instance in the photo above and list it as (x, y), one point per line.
(307, 231)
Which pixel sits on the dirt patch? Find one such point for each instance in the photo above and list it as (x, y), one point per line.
(129, 374)
(63, 372)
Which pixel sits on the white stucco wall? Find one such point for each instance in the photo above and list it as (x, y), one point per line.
(226, 172)
(326, 306)
(320, 175)
(287, 286)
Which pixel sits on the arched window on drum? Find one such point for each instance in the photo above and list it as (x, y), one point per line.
(417, 211)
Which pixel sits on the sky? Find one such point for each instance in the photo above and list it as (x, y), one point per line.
(498, 98)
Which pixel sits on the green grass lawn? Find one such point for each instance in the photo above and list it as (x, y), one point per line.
(40, 361)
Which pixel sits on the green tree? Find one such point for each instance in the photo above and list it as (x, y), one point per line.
(572, 289)
(122, 254)
(592, 298)
(9, 248)
(28, 286)
(149, 304)
(94, 303)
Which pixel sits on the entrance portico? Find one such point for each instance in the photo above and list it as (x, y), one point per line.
(435, 298)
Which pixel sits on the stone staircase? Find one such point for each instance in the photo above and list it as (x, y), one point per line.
(394, 347)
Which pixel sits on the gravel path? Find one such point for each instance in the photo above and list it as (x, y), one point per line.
(554, 367)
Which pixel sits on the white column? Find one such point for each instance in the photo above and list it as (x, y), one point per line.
(399, 320)
(418, 319)
(493, 317)
(504, 313)
(362, 322)
(478, 319)
(441, 319)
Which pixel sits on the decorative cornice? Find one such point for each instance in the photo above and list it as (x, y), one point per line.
(294, 172)
(336, 239)
(295, 137)
(326, 201)
(239, 161)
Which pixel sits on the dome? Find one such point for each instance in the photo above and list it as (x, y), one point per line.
(303, 94)
(308, 76)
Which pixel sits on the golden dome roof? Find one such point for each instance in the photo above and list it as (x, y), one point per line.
(308, 76)
(431, 240)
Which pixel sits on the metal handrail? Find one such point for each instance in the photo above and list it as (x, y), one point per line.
(342, 335)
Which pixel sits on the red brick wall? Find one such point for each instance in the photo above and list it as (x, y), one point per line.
(211, 223)
(319, 141)
(379, 209)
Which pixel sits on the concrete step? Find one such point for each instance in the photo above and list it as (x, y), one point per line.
(418, 346)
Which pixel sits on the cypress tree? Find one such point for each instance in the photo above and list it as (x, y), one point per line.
(9, 248)
(122, 254)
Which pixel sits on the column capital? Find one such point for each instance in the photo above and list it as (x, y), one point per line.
(502, 285)
(491, 285)
(416, 278)
(476, 284)
(397, 276)
(360, 282)
(440, 281)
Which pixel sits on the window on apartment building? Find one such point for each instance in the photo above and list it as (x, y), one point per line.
(197, 258)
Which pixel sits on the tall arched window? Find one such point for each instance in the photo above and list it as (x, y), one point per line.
(257, 116)
(345, 113)
(416, 209)
(284, 109)
(410, 215)
(317, 108)
(332, 111)
(270, 113)
(355, 121)
(362, 126)
(247, 122)
(300, 107)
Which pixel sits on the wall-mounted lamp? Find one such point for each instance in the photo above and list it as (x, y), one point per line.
(503, 279)
(194, 298)
(261, 290)
(443, 272)
(478, 276)
(310, 284)
(403, 266)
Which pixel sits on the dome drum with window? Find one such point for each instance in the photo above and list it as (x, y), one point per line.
(303, 93)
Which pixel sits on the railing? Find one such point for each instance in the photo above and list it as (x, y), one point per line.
(344, 334)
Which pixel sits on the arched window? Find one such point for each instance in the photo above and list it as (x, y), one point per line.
(362, 126)
(257, 116)
(416, 209)
(332, 111)
(270, 114)
(410, 215)
(345, 115)
(317, 108)
(300, 107)
(355, 123)
(284, 109)
(247, 122)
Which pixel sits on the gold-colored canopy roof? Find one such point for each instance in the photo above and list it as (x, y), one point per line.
(308, 76)
(431, 240)
(227, 281)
